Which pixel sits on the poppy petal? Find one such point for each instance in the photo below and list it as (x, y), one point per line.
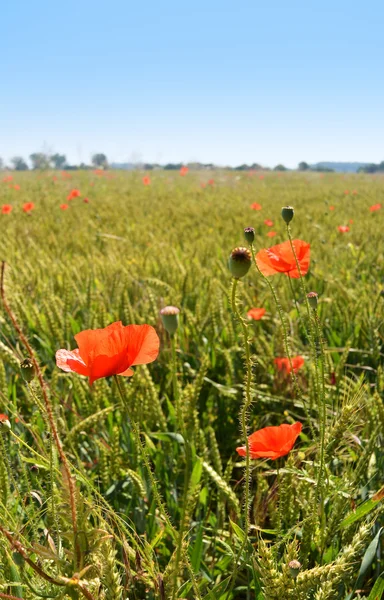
(71, 361)
(144, 344)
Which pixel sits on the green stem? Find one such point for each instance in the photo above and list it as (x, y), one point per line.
(244, 426)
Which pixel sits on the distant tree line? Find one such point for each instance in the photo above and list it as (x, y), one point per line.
(303, 166)
(42, 161)
(372, 168)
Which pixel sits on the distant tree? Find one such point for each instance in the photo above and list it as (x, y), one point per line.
(59, 160)
(303, 166)
(19, 163)
(100, 161)
(173, 166)
(39, 160)
(280, 168)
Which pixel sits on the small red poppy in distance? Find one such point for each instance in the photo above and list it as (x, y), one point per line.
(211, 182)
(6, 209)
(331, 208)
(86, 200)
(271, 233)
(256, 206)
(183, 171)
(64, 206)
(280, 259)
(256, 314)
(8, 178)
(268, 223)
(272, 442)
(284, 365)
(110, 351)
(146, 180)
(261, 176)
(346, 192)
(73, 194)
(28, 206)
(343, 228)
(354, 192)
(374, 207)
(16, 187)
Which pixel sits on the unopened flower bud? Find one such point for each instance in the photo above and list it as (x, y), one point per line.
(249, 234)
(294, 568)
(287, 213)
(27, 369)
(313, 299)
(239, 262)
(4, 422)
(170, 318)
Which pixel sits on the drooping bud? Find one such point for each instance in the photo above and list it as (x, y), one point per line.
(249, 234)
(294, 568)
(27, 369)
(287, 213)
(170, 318)
(239, 262)
(313, 299)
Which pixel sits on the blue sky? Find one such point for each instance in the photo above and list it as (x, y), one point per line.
(221, 81)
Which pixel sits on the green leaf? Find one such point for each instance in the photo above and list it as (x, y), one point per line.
(197, 551)
(238, 531)
(368, 559)
(363, 509)
(378, 589)
(214, 593)
(196, 473)
(168, 436)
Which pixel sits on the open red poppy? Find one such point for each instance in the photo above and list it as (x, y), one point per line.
(73, 194)
(280, 259)
(256, 313)
(28, 206)
(256, 206)
(184, 171)
(146, 180)
(271, 233)
(6, 209)
(64, 206)
(268, 223)
(110, 351)
(343, 228)
(283, 364)
(272, 442)
(374, 207)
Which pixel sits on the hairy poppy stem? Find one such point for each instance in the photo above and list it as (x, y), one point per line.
(287, 349)
(244, 424)
(47, 402)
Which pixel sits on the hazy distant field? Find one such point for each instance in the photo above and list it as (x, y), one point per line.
(124, 254)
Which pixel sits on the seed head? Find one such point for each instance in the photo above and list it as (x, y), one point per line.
(294, 568)
(313, 298)
(249, 234)
(170, 318)
(27, 370)
(239, 262)
(287, 213)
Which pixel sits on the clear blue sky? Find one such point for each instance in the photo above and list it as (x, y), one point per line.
(222, 81)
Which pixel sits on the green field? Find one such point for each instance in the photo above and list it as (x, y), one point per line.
(139, 493)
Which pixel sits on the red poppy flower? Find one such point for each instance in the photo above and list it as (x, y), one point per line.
(73, 194)
(272, 442)
(146, 180)
(268, 223)
(346, 192)
(351, 221)
(343, 228)
(211, 182)
(16, 187)
(8, 178)
(183, 171)
(331, 208)
(256, 313)
(203, 185)
(280, 259)
(271, 233)
(374, 207)
(6, 209)
(110, 351)
(261, 176)
(283, 364)
(86, 200)
(256, 206)
(64, 206)
(28, 206)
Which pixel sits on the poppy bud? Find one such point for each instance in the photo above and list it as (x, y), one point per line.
(313, 298)
(27, 370)
(249, 234)
(239, 262)
(294, 568)
(4, 422)
(170, 318)
(287, 213)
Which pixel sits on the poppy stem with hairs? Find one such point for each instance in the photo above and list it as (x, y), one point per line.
(286, 342)
(47, 403)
